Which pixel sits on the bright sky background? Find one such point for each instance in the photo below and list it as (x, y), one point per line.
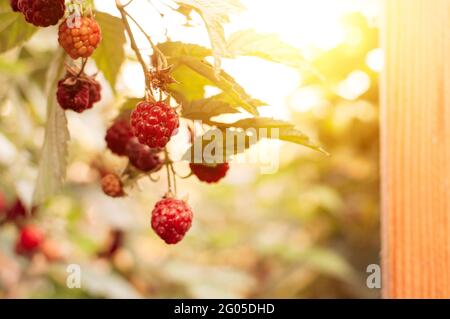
(310, 25)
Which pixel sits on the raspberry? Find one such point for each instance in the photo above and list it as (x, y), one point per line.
(41, 13)
(3, 205)
(81, 39)
(154, 123)
(209, 174)
(171, 219)
(118, 136)
(77, 94)
(95, 90)
(17, 211)
(14, 5)
(143, 157)
(112, 185)
(30, 239)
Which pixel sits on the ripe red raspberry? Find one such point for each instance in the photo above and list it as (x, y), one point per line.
(42, 13)
(112, 185)
(77, 94)
(30, 239)
(209, 174)
(80, 39)
(143, 157)
(118, 136)
(154, 123)
(171, 219)
(14, 5)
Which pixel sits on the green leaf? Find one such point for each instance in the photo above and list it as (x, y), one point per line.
(205, 109)
(293, 135)
(193, 73)
(215, 13)
(276, 129)
(269, 47)
(221, 150)
(53, 159)
(110, 55)
(14, 30)
(225, 82)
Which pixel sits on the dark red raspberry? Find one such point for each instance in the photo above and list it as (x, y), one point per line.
(3, 204)
(14, 5)
(118, 136)
(112, 185)
(154, 123)
(95, 92)
(171, 219)
(80, 39)
(17, 211)
(209, 174)
(42, 13)
(30, 239)
(77, 94)
(143, 157)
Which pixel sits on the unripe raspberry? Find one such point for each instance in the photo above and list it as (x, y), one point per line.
(81, 39)
(210, 174)
(112, 185)
(42, 13)
(30, 239)
(14, 5)
(143, 157)
(154, 123)
(171, 219)
(78, 94)
(118, 136)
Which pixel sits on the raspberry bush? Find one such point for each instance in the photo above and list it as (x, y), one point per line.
(143, 128)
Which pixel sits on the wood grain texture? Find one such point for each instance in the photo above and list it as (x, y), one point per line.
(415, 159)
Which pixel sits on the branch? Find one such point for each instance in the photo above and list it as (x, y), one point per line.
(134, 46)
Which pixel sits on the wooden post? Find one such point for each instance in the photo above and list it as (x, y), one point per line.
(415, 137)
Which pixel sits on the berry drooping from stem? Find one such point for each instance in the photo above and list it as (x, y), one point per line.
(41, 13)
(171, 219)
(210, 174)
(118, 136)
(143, 157)
(112, 185)
(81, 38)
(78, 93)
(154, 123)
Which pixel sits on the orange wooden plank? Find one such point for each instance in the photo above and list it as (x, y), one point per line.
(415, 159)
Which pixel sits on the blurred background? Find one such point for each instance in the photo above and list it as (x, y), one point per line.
(308, 231)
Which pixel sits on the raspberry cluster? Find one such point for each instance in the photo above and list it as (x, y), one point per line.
(78, 93)
(121, 141)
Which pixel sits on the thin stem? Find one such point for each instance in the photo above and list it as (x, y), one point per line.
(149, 39)
(134, 46)
(83, 65)
(174, 175)
(167, 164)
